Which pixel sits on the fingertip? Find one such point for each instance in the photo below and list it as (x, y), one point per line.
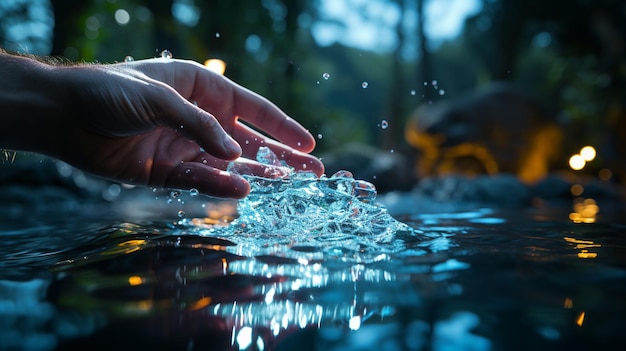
(241, 187)
(232, 148)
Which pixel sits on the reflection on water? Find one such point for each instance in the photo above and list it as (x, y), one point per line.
(478, 280)
(472, 280)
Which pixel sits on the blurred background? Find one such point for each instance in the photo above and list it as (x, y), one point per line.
(389, 87)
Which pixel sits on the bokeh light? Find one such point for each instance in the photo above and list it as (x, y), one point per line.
(577, 162)
(216, 65)
(588, 153)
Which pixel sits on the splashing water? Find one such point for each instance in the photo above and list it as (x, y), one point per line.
(166, 54)
(300, 207)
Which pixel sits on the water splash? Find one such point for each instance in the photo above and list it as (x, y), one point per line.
(299, 207)
(166, 54)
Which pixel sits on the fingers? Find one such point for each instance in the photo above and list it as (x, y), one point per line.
(202, 127)
(228, 101)
(251, 140)
(208, 181)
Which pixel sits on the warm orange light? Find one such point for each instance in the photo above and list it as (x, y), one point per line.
(577, 189)
(587, 254)
(135, 280)
(203, 302)
(216, 65)
(580, 319)
(577, 162)
(588, 153)
(568, 303)
(605, 174)
(585, 211)
(224, 265)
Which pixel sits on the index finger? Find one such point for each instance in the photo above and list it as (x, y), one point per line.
(228, 101)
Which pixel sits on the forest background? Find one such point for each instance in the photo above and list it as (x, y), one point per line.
(305, 55)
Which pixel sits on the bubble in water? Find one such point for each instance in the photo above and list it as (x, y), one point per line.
(319, 136)
(174, 194)
(129, 59)
(425, 83)
(434, 82)
(181, 214)
(166, 54)
(217, 35)
(326, 76)
(364, 85)
(384, 124)
(412, 92)
(193, 192)
(187, 171)
(442, 92)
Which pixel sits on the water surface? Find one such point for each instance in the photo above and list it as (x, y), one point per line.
(477, 279)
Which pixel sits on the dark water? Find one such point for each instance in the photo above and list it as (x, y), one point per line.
(479, 279)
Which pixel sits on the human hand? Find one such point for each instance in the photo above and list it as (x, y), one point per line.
(136, 122)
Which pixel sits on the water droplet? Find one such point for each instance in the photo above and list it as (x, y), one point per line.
(425, 83)
(304, 166)
(187, 171)
(364, 85)
(204, 161)
(217, 35)
(319, 136)
(412, 92)
(174, 193)
(166, 54)
(384, 124)
(182, 126)
(391, 151)
(194, 192)
(326, 76)
(129, 59)
(442, 92)
(247, 141)
(318, 82)
(169, 201)
(434, 82)
(299, 143)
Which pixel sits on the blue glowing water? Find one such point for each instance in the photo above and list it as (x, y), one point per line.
(301, 207)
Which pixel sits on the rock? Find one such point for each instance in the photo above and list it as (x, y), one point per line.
(503, 190)
(386, 170)
(496, 129)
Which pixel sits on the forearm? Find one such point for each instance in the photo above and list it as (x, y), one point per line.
(30, 104)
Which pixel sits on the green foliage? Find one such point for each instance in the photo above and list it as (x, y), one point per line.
(566, 52)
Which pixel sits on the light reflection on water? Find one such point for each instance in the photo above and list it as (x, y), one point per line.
(477, 279)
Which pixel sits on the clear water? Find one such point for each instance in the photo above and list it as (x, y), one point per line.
(274, 278)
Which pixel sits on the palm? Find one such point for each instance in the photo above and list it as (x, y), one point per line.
(135, 129)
